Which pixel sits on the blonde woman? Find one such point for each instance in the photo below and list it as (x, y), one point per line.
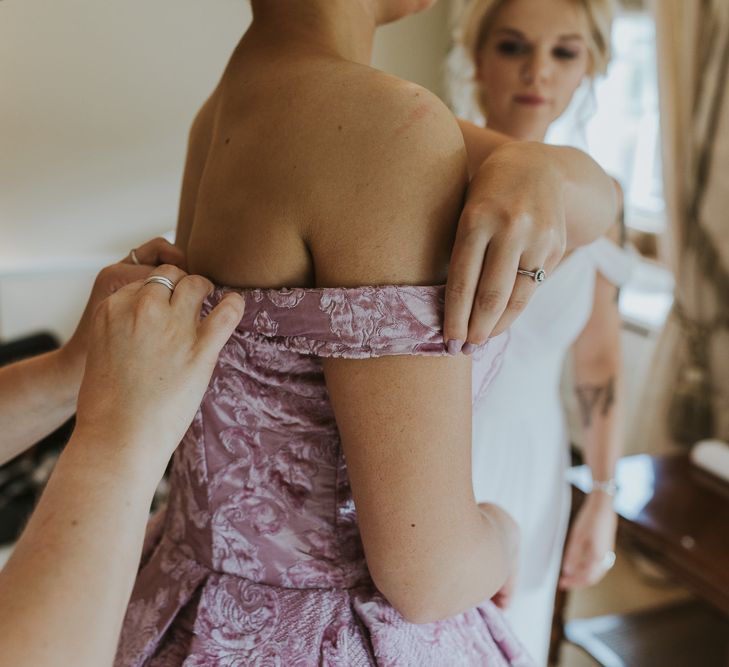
(529, 57)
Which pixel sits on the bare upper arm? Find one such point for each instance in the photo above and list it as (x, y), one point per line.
(198, 146)
(480, 142)
(405, 422)
(397, 197)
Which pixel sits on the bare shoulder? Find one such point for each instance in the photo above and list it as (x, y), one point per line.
(403, 165)
(198, 145)
(387, 115)
(406, 112)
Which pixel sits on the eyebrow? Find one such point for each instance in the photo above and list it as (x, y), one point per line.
(520, 34)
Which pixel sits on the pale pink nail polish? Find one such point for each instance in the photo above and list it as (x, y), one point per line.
(454, 346)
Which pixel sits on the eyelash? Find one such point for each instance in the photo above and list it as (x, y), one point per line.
(514, 48)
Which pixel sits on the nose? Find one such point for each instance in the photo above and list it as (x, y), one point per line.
(538, 67)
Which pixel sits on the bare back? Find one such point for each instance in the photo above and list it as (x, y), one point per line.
(300, 164)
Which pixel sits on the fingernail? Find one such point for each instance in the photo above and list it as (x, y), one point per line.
(454, 346)
(468, 348)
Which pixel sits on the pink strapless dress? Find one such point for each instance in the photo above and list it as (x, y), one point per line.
(257, 561)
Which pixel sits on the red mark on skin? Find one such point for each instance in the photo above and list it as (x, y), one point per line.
(417, 114)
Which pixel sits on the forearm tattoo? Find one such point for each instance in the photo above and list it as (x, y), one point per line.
(595, 398)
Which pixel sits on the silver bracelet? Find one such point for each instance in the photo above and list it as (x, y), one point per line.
(609, 486)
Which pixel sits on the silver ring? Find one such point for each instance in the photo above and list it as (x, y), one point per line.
(133, 256)
(161, 280)
(608, 560)
(538, 276)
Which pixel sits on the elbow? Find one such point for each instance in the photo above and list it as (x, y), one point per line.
(421, 607)
(433, 597)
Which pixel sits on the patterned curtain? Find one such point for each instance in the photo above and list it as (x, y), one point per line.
(687, 396)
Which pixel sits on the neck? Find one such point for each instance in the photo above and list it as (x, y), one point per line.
(340, 28)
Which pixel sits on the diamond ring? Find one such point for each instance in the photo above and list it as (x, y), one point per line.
(537, 276)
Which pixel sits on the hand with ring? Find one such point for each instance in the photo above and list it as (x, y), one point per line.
(136, 265)
(150, 359)
(514, 231)
(590, 550)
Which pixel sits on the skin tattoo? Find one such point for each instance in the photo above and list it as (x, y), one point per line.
(594, 398)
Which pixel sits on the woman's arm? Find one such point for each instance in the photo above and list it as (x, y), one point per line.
(590, 199)
(405, 425)
(64, 591)
(405, 422)
(38, 395)
(527, 204)
(597, 377)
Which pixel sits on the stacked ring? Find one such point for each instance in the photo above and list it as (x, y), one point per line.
(161, 280)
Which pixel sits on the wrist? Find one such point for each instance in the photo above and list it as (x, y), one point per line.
(109, 455)
(604, 486)
(69, 362)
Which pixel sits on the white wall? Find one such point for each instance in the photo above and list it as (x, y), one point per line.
(95, 102)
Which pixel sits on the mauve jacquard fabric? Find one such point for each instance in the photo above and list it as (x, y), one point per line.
(257, 561)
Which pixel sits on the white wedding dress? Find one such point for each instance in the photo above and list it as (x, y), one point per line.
(520, 440)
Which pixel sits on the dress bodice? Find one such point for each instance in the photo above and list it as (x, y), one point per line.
(258, 559)
(272, 500)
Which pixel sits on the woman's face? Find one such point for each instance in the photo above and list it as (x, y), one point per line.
(533, 59)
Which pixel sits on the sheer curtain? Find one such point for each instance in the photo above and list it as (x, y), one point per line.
(687, 396)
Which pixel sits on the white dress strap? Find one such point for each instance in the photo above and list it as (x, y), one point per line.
(615, 263)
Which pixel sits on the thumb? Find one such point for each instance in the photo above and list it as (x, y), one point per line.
(218, 326)
(571, 555)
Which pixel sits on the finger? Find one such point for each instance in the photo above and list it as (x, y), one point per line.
(466, 263)
(189, 295)
(159, 251)
(575, 578)
(588, 575)
(219, 325)
(494, 288)
(168, 271)
(130, 289)
(114, 277)
(572, 557)
(521, 295)
(582, 564)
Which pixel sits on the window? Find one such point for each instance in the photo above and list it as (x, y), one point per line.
(616, 121)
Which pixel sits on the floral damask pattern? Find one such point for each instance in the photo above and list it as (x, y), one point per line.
(257, 559)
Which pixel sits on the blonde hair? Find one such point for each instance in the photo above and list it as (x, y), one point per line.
(479, 17)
